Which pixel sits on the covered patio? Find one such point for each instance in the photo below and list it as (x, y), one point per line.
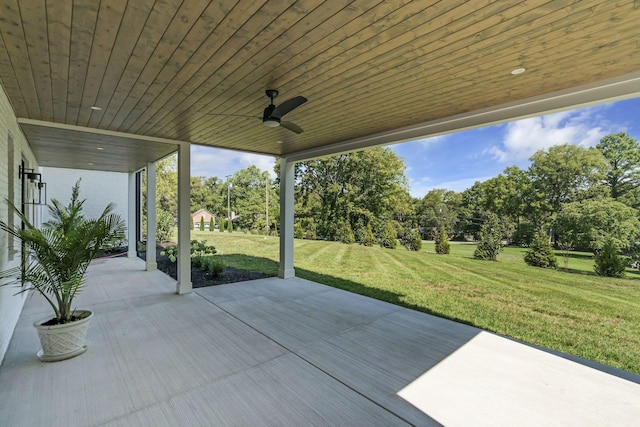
(115, 86)
(290, 353)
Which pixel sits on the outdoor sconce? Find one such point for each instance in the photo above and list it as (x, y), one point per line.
(32, 186)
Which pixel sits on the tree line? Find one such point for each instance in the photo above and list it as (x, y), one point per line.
(585, 196)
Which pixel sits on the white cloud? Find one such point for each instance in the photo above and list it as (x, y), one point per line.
(210, 162)
(420, 187)
(524, 137)
(427, 142)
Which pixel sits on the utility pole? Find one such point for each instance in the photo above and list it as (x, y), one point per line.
(228, 198)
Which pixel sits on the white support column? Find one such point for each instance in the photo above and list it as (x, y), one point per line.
(131, 213)
(286, 270)
(151, 217)
(184, 219)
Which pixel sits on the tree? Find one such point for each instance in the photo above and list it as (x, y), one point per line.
(165, 223)
(248, 198)
(442, 242)
(589, 223)
(209, 194)
(490, 244)
(540, 253)
(608, 262)
(201, 223)
(166, 200)
(439, 207)
(388, 238)
(623, 155)
(369, 238)
(566, 173)
(167, 185)
(565, 249)
(364, 188)
(212, 224)
(346, 234)
(412, 240)
(510, 196)
(623, 174)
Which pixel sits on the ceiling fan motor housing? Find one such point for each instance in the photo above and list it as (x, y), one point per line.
(267, 119)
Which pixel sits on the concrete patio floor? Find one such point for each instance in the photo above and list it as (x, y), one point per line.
(290, 352)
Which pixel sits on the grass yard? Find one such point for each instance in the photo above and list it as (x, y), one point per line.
(575, 312)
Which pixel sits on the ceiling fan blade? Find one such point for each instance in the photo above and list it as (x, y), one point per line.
(291, 126)
(287, 106)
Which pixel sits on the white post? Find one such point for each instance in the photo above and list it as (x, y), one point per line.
(286, 270)
(151, 217)
(184, 219)
(131, 214)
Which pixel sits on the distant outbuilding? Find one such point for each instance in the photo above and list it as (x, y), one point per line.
(201, 214)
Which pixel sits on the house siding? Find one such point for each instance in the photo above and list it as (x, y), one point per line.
(10, 304)
(99, 188)
(202, 213)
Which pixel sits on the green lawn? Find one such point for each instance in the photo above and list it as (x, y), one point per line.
(575, 312)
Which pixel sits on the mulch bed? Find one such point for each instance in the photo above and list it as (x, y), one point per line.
(199, 278)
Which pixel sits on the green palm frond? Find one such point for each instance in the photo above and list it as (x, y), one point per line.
(59, 253)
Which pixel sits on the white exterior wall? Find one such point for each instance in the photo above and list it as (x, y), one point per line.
(98, 187)
(10, 305)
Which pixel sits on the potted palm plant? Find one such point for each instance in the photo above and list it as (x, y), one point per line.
(55, 262)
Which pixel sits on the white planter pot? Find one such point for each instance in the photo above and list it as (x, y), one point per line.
(60, 342)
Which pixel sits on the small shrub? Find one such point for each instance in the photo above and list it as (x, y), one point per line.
(164, 225)
(298, 231)
(214, 265)
(413, 240)
(369, 238)
(199, 248)
(230, 226)
(490, 236)
(346, 234)
(212, 224)
(540, 253)
(608, 262)
(388, 239)
(201, 227)
(310, 233)
(442, 242)
(171, 252)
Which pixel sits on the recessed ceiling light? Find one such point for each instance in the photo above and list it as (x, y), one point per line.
(99, 148)
(90, 164)
(95, 108)
(280, 142)
(518, 71)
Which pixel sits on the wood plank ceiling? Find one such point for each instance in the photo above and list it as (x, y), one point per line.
(191, 70)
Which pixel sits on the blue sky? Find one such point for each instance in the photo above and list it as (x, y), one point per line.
(456, 161)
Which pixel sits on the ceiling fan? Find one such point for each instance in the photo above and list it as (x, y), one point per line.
(272, 116)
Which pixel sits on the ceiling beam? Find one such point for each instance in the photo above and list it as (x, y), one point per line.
(623, 87)
(102, 132)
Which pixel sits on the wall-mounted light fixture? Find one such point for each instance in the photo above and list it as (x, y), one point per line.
(32, 186)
